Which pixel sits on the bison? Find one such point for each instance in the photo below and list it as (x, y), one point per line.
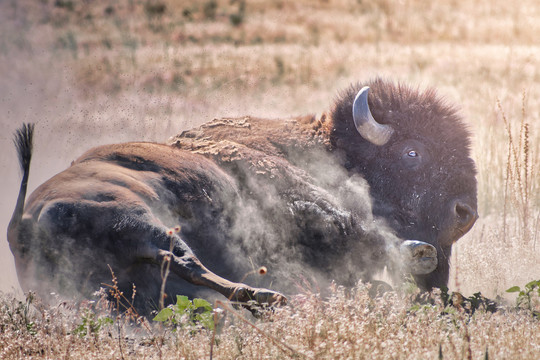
(325, 198)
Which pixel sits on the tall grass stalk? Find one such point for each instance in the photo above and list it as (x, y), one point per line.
(519, 172)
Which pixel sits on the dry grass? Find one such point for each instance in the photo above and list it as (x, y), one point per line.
(349, 325)
(98, 72)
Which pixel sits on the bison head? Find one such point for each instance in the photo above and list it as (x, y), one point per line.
(414, 151)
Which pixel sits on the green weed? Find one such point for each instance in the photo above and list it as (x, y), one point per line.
(528, 297)
(91, 323)
(197, 313)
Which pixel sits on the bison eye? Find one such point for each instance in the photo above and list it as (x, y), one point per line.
(411, 159)
(410, 154)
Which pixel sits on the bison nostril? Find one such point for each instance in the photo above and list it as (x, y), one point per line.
(465, 216)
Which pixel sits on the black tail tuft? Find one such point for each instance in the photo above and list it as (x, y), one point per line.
(23, 140)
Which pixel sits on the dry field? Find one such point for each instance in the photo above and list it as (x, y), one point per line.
(96, 72)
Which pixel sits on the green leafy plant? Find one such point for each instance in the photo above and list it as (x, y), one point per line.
(526, 296)
(91, 324)
(195, 313)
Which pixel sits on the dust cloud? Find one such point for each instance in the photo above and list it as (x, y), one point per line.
(36, 86)
(66, 126)
(309, 223)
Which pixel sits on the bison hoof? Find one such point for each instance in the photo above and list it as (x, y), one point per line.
(419, 258)
(259, 297)
(272, 298)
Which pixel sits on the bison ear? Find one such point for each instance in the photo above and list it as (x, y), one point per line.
(369, 129)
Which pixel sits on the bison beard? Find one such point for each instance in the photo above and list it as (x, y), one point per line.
(325, 198)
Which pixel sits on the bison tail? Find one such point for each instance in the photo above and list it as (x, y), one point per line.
(23, 140)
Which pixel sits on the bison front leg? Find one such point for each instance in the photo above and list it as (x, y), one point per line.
(189, 268)
(185, 264)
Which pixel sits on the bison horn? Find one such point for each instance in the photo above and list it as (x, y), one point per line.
(418, 257)
(369, 129)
